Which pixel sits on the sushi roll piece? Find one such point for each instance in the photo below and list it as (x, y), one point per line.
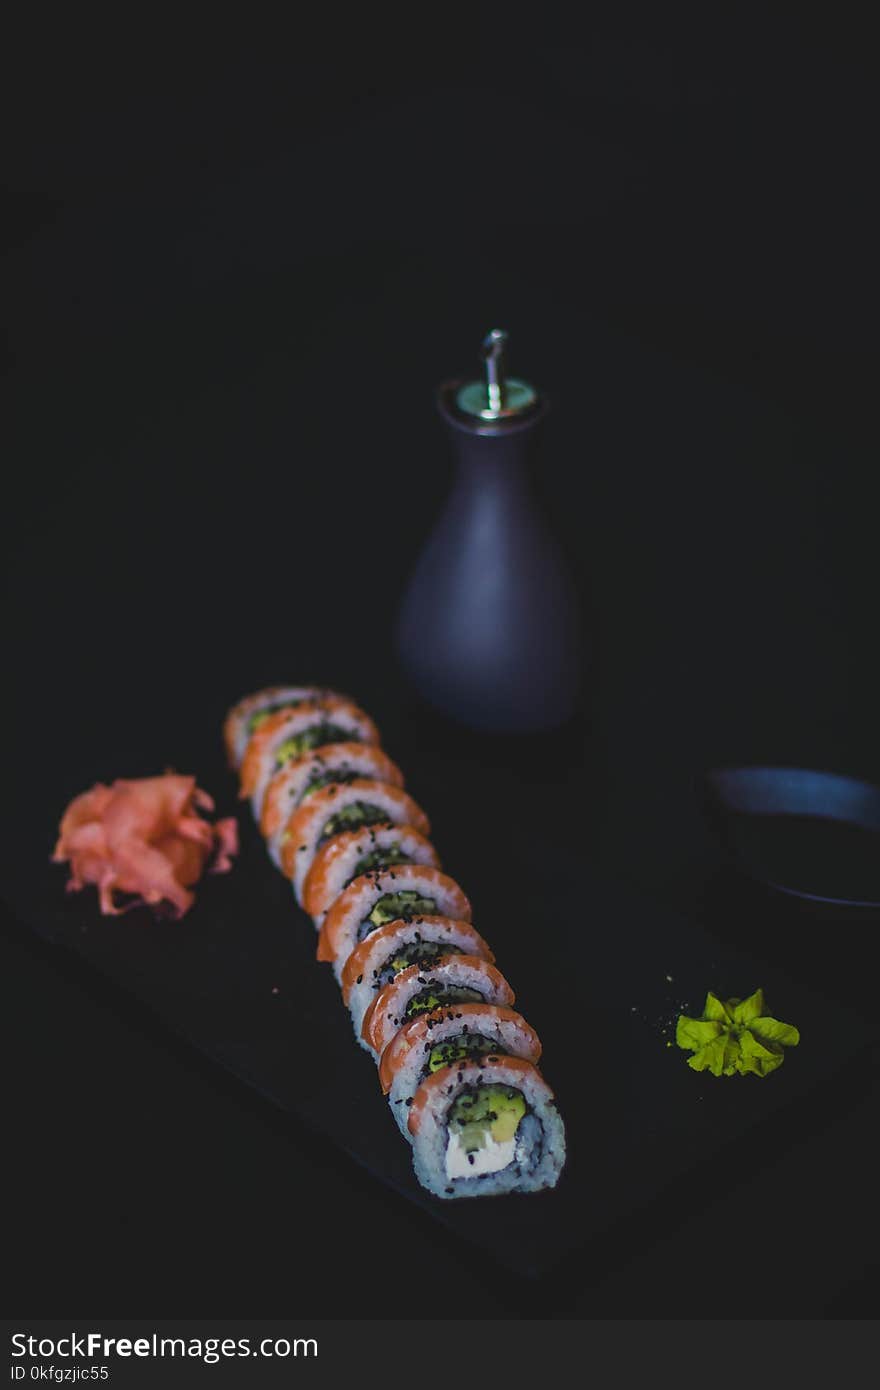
(290, 733)
(342, 806)
(335, 762)
(433, 1042)
(356, 852)
(486, 1127)
(452, 981)
(383, 896)
(247, 716)
(390, 949)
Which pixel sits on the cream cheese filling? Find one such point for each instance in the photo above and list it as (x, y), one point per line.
(491, 1158)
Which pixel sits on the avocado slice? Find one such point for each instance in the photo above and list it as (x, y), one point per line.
(263, 714)
(325, 779)
(405, 904)
(380, 859)
(425, 953)
(462, 1048)
(436, 996)
(313, 737)
(480, 1111)
(352, 817)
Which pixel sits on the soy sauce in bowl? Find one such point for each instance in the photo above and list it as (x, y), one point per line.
(809, 834)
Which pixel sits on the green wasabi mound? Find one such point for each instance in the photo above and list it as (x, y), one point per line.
(735, 1036)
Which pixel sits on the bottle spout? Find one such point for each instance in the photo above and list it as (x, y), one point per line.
(492, 353)
(499, 398)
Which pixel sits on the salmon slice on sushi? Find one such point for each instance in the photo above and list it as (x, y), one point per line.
(452, 981)
(246, 717)
(385, 952)
(298, 779)
(432, 1042)
(486, 1127)
(383, 896)
(355, 852)
(289, 733)
(340, 807)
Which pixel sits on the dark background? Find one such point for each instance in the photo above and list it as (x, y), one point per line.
(236, 263)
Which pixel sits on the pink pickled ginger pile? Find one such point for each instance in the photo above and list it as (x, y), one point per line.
(145, 838)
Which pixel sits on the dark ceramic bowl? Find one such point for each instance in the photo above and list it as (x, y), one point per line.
(808, 834)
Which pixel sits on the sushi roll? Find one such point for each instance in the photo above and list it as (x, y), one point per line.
(486, 1127)
(453, 980)
(457, 1062)
(355, 852)
(374, 899)
(385, 952)
(247, 716)
(342, 806)
(335, 762)
(431, 1042)
(289, 733)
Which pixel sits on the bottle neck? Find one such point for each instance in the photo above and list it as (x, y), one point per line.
(492, 464)
(493, 458)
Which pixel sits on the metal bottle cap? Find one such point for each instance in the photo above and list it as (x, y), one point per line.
(499, 397)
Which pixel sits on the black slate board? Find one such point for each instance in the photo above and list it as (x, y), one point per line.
(597, 988)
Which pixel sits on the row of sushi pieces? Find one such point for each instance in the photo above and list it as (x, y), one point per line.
(458, 1064)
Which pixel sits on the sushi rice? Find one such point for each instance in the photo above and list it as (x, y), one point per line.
(392, 948)
(434, 1041)
(354, 852)
(409, 890)
(453, 980)
(338, 808)
(289, 733)
(301, 777)
(245, 717)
